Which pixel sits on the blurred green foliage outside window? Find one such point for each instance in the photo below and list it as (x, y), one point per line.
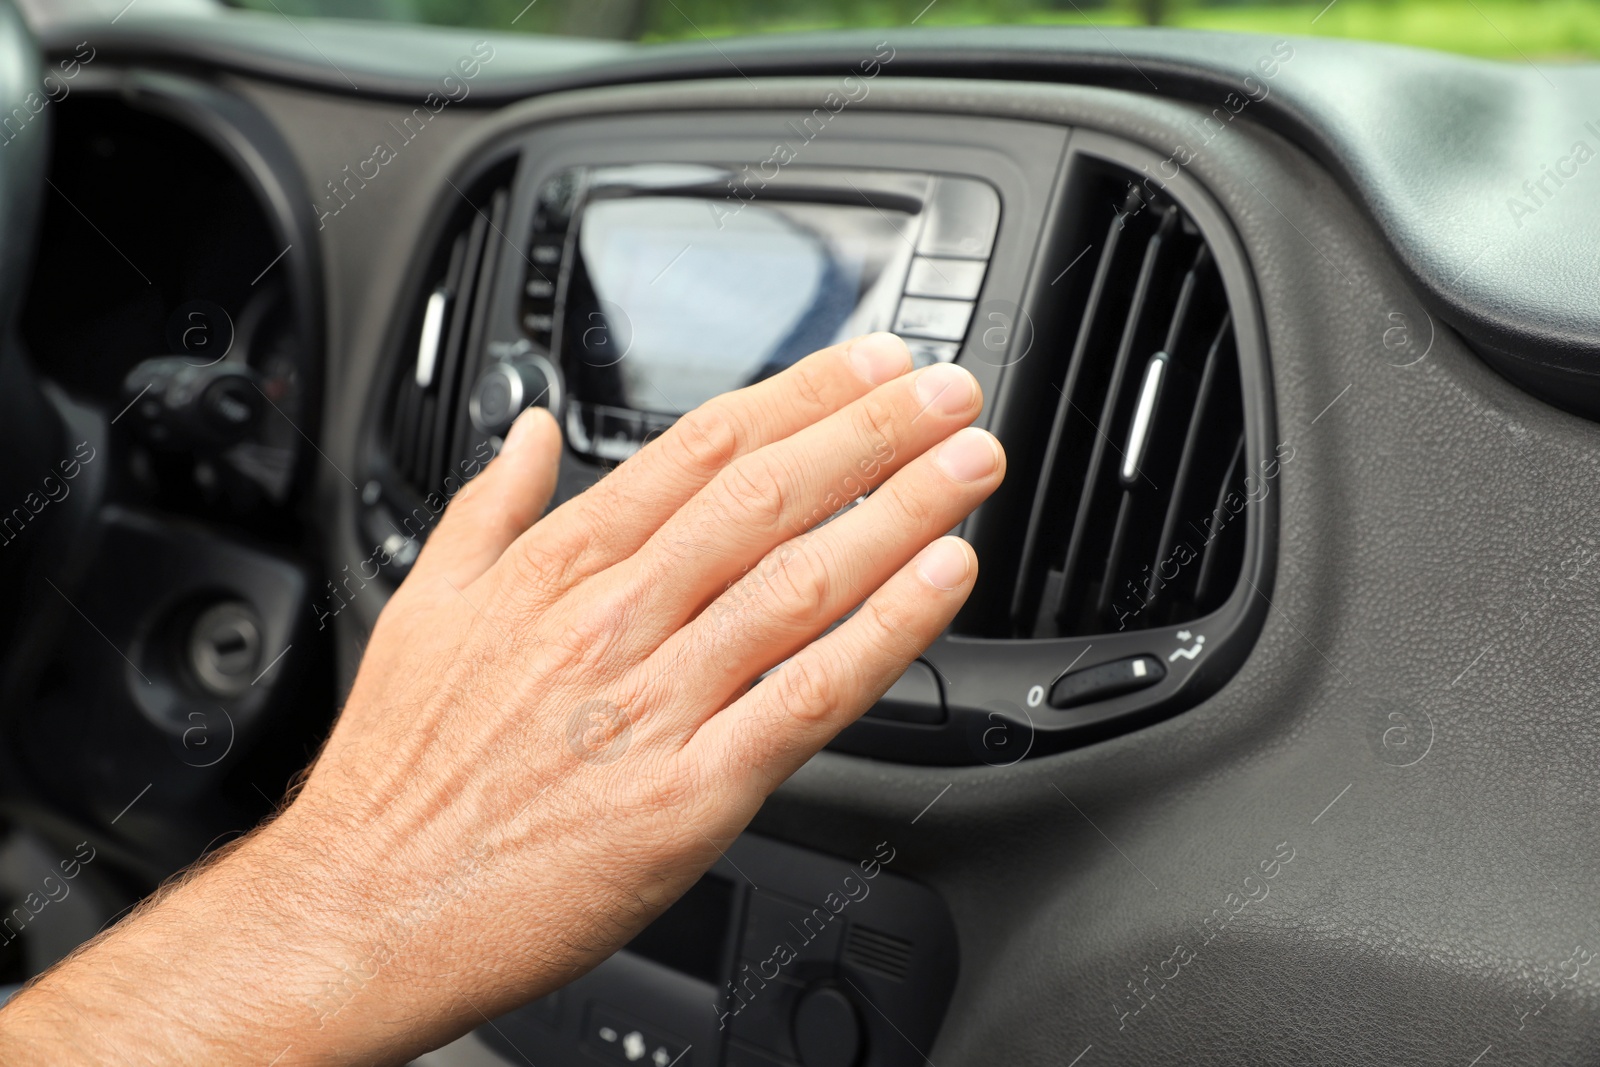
(1546, 30)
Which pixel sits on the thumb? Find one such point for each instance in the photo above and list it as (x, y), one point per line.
(497, 506)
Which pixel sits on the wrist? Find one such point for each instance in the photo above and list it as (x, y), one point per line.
(225, 965)
(362, 977)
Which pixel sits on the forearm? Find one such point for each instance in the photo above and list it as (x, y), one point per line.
(241, 962)
(308, 942)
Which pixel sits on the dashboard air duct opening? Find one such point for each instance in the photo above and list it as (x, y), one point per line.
(1132, 521)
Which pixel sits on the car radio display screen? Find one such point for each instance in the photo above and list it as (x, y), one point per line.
(677, 299)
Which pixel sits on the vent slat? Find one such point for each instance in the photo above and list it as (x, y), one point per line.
(1186, 297)
(1121, 534)
(403, 435)
(1212, 551)
(426, 423)
(1183, 482)
(474, 359)
(464, 262)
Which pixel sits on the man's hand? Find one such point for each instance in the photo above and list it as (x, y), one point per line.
(558, 725)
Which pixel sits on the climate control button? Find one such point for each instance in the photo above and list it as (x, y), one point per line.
(1106, 680)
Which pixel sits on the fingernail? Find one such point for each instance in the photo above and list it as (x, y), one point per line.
(946, 389)
(944, 564)
(969, 455)
(879, 357)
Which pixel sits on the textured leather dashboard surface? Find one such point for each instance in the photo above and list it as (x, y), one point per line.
(1434, 606)
(1436, 149)
(1416, 724)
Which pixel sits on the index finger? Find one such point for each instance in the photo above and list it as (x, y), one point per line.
(615, 517)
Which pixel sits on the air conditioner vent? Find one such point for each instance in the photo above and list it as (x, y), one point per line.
(442, 351)
(1132, 523)
(878, 952)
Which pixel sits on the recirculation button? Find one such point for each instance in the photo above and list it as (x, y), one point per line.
(1106, 680)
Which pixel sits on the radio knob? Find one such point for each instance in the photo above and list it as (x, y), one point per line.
(510, 386)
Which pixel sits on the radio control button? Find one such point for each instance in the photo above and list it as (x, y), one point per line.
(925, 353)
(540, 288)
(962, 219)
(956, 279)
(545, 252)
(944, 320)
(539, 322)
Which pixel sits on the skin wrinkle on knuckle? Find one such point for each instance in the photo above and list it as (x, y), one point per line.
(645, 689)
(731, 610)
(749, 492)
(802, 582)
(891, 637)
(671, 788)
(711, 437)
(806, 692)
(789, 590)
(604, 527)
(807, 385)
(758, 582)
(655, 707)
(911, 509)
(536, 566)
(878, 426)
(595, 624)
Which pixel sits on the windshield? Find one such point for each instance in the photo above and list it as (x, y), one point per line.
(1523, 30)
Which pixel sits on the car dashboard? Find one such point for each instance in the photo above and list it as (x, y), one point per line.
(1266, 732)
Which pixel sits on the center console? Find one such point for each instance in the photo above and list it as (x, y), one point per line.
(620, 270)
